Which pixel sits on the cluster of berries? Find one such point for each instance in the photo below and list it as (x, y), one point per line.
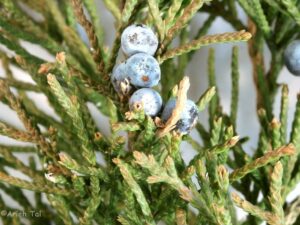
(141, 71)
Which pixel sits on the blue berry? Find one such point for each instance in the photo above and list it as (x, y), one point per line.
(150, 100)
(138, 38)
(143, 70)
(292, 57)
(188, 117)
(120, 79)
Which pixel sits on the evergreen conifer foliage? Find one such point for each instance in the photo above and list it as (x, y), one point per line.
(144, 179)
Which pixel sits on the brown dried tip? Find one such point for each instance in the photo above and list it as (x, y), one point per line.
(136, 107)
(246, 35)
(191, 170)
(19, 59)
(186, 194)
(53, 169)
(169, 162)
(278, 166)
(50, 77)
(128, 115)
(232, 142)
(275, 123)
(63, 156)
(180, 217)
(52, 130)
(61, 57)
(153, 179)
(137, 155)
(44, 68)
(289, 149)
(180, 103)
(115, 126)
(116, 161)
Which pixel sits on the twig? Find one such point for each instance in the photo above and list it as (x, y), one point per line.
(292, 212)
(206, 40)
(96, 51)
(254, 210)
(260, 162)
(38, 187)
(176, 113)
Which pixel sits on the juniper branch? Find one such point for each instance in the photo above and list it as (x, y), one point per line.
(38, 187)
(206, 40)
(96, 51)
(269, 157)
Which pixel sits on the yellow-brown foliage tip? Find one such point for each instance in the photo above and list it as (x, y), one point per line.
(288, 150)
(61, 57)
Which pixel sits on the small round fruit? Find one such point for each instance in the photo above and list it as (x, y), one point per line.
(292, 57)
(150, 100)
(138, 38)
(143, 70)
(188, 117)
(120, 79)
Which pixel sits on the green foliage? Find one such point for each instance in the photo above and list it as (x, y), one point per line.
(145, 179)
